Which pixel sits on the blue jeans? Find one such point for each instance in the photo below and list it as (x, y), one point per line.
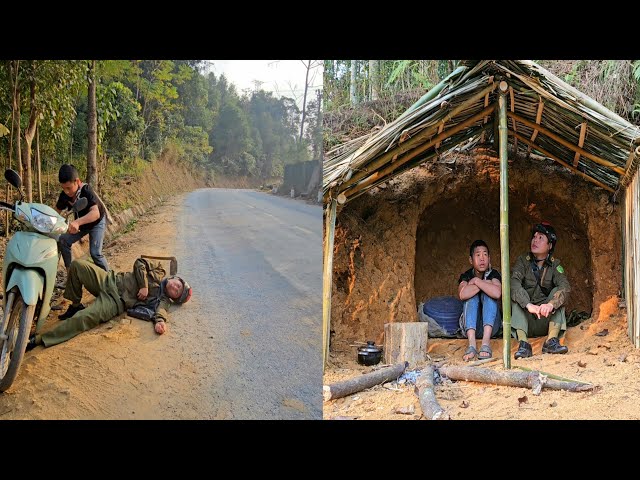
(480, 310)
(96, 237)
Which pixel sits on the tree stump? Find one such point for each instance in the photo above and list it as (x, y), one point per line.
(406, 342)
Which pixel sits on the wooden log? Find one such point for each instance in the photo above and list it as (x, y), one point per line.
(583, 132)
(511, 378)
(357, 384)
(406, 342)
(551, 375)
(431, 409)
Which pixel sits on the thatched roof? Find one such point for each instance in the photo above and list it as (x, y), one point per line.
(545, 115)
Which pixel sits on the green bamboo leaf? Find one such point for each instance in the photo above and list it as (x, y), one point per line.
(636, 70)
(398, 70)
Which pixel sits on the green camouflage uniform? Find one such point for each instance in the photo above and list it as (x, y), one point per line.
(114, 292)
(554, 288)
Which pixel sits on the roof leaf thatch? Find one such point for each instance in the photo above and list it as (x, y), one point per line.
(546, 115)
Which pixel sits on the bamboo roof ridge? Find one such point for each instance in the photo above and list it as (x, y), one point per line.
(545, 115)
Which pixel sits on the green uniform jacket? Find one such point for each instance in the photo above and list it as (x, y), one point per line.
(146, 274)
(525, 288)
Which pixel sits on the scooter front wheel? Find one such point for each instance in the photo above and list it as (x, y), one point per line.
(15, 336)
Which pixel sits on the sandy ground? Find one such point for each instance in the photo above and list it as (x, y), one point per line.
(609, 361)
(219, 359)
(121, 369)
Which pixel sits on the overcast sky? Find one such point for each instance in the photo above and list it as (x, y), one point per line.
(285, 78)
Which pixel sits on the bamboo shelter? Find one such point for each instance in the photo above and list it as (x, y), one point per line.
(544, 116)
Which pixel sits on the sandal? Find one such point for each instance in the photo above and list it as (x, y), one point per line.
(486, 349)
(471, 350)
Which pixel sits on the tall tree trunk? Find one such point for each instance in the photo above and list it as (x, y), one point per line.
(352, 85)
(29, 134)
(38, 165)
(92, 127)
(373, 79)
(13, 78)
(317, 135)
(304, 100)
(18, 132)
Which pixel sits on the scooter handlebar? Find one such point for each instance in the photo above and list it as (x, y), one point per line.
(8, 206)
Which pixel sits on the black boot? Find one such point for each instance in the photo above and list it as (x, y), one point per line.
(552, 345)
(31, 344)
(71, 311)
(524, 350)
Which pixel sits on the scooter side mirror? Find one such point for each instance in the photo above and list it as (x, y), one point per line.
(13, 178)
(80, 204)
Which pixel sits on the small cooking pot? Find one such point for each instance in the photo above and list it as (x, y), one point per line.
(370, 354)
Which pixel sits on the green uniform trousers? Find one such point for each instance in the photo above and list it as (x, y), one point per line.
(533, 326)
(107, 304)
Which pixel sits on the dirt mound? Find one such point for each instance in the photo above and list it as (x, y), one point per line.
(408, 239)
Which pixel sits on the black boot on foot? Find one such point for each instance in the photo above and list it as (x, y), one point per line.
(71, 311)
(552, 345)
(524, 350)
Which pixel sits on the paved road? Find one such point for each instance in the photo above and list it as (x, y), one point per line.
(255, 263)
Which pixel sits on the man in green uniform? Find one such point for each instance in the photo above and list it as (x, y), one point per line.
(539, 289)
(115, 292)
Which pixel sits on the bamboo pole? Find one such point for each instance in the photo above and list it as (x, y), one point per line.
(583, 131)
(513, 109)
(562, 162)
(504, 226)
(413, 163)
(631, 167)
(551, 375)
(440, 129)
(434, 92)
(417, 151)
(484, 122)
(636, 271)
(326, 279)
(538, 120)
(567, 144)
(409, 144)
(635, 239)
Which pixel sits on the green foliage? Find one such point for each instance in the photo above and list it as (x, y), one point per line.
(192, 145)
(394, 76)
(636, 70)
(124, 124)
(130, 226)
(133, 167)
(145, 107)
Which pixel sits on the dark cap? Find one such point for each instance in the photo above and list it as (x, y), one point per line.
(186, 290)
(546, 229)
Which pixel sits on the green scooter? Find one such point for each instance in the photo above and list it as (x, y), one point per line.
(28, 275)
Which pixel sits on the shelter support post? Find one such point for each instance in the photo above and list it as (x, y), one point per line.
(329, 231)
(504, 225)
